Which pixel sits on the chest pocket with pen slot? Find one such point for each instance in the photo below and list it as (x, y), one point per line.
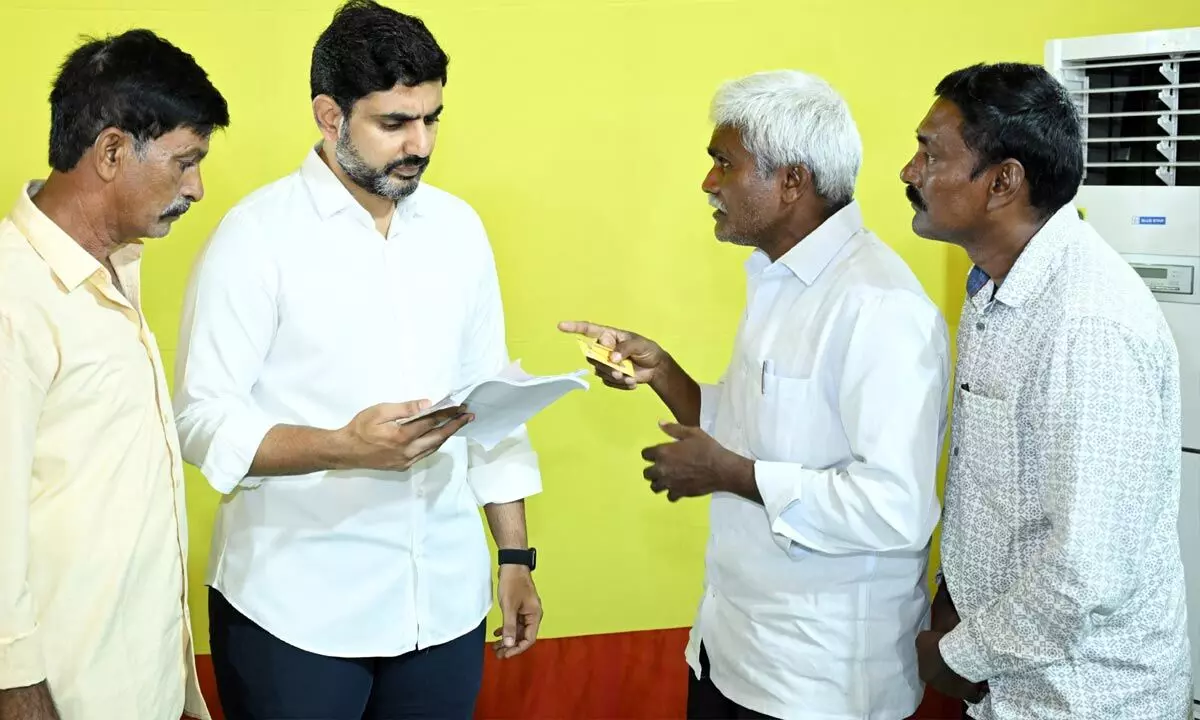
(792, 419)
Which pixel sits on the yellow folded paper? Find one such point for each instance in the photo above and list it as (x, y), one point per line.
(593, 349)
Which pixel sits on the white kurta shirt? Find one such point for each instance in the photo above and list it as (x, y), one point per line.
(300, 312)
(837, 388)
(1060, 544)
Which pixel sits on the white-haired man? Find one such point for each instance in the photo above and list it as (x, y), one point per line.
(820, 444)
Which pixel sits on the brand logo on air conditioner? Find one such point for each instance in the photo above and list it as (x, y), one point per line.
(1150, 220)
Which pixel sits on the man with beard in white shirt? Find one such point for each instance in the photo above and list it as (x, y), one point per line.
(820, 444)
(350, 573)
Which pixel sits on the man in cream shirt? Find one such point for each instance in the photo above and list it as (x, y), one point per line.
(93, 539)
(820, 444)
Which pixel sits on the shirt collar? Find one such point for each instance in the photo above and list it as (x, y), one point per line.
(809, 258)
(977, 280)
(330, 197)
(1041, 256)
(69, 262)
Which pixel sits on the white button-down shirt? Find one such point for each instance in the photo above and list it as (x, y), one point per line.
(1060, 544)
(838, 389)
(300, 312)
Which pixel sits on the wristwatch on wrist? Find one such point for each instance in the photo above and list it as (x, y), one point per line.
(513, 556)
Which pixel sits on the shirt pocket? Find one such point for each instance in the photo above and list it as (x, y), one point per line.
(989, 444)
(793, 420)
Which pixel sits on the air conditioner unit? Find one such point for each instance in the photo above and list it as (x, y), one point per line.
(1138, 97)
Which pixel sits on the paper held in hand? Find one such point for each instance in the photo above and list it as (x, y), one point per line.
(502, 403)
(592, 349)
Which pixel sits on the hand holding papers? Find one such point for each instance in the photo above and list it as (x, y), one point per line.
(503, 403)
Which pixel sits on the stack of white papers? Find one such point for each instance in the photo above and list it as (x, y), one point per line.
(503, 403)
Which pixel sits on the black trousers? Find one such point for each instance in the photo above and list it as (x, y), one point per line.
(705, 701)
(260, 677)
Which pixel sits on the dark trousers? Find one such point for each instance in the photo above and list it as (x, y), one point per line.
(705, 701)
(260, 677)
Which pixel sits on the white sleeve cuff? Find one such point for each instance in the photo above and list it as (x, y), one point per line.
(710, 395)
(506, 473)
(782, 494)
(233, 448)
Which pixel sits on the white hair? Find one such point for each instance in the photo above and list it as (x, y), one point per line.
(787, 117)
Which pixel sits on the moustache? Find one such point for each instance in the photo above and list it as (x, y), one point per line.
(412, 162)
(716, 203)
(914, 197)
(176, 209)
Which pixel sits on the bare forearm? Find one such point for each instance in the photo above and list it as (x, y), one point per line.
(736, 475)
(679, 392)
(507, 521)
(27, 703)
(944, 616)
(295, 450)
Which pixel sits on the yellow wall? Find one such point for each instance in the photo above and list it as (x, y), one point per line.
(577, 129)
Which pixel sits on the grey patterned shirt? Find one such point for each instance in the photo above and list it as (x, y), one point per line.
(1060, 544)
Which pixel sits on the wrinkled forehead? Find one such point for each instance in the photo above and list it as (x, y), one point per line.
(182, 141)
(941, 129)
(727, 141)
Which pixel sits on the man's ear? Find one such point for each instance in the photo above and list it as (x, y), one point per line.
(328, 116)
(797, 182)
(1007, 184)
(111, 148)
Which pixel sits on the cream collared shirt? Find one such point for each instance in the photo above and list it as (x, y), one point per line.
(93, 535)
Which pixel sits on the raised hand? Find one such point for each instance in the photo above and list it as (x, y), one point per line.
(649, 360)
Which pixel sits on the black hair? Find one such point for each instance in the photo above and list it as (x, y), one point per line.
(136, 82)
(368, 48)
(1019, 111)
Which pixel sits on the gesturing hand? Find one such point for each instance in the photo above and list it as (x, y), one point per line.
(695, 464)
(376, 441)
(647, 357)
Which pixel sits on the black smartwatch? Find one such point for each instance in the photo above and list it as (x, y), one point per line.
(512, 556)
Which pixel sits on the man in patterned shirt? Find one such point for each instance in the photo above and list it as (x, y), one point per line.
(1060, 546)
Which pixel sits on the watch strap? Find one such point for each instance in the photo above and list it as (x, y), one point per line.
(514, 556)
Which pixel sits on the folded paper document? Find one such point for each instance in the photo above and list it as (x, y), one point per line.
(503, 403)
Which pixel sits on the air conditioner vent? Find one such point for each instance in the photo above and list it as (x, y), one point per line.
(1141, 117)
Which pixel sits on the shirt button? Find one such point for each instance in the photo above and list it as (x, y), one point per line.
(979, 326)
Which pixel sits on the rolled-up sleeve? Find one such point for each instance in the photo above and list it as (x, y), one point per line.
(21, 397)
(509, 471)
(506, 473)
(710, 395)
(229, 317)
(892, 397)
